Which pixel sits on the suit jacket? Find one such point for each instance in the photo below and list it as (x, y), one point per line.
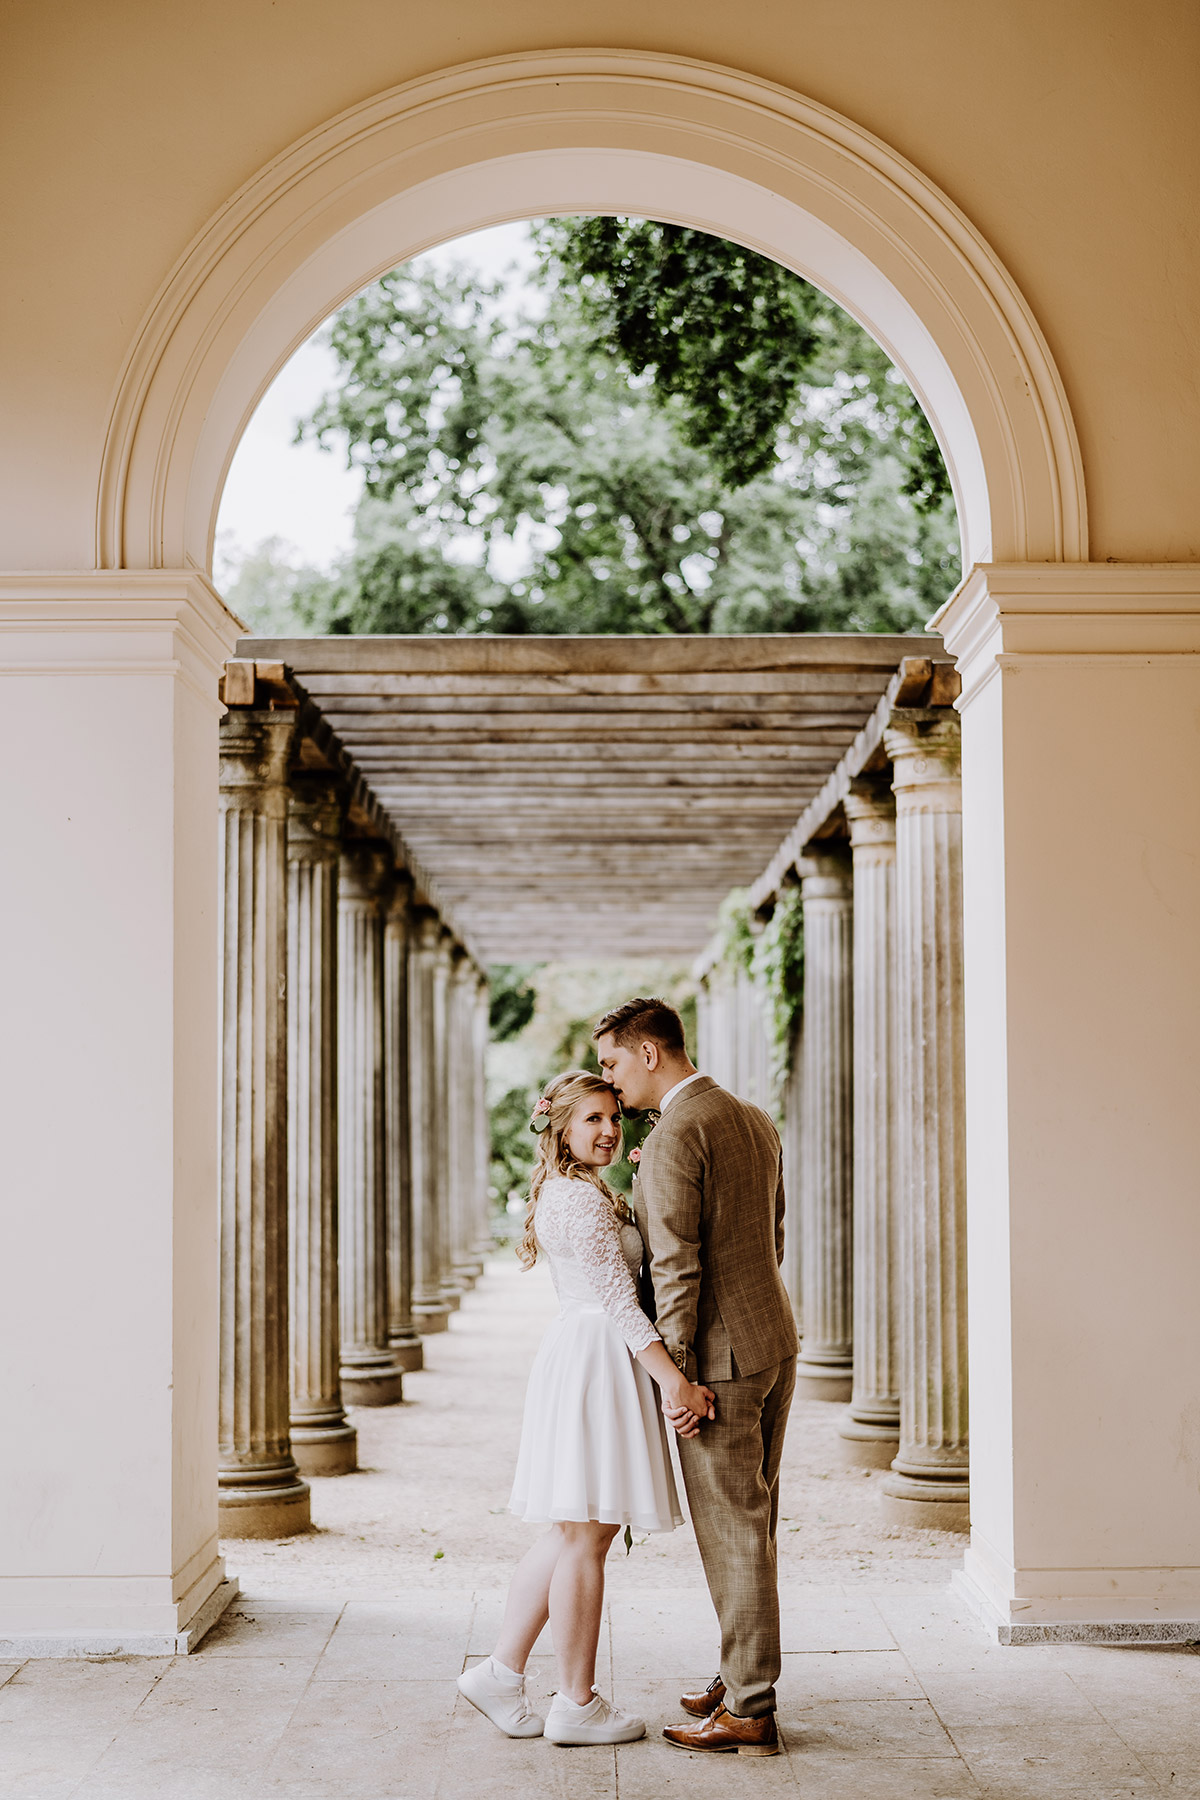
(709, 1203)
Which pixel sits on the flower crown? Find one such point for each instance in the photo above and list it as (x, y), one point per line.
(541, 1116)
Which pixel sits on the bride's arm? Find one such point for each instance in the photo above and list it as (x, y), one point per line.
(679, 1395)
(595, 1239)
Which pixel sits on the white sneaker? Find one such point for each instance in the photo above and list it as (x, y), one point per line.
(500, 1699)
(596, 1723)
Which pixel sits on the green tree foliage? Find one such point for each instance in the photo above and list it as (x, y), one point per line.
(736, 339)
(676, 435)
(771, 955)
(513, 998)
(512, 1150)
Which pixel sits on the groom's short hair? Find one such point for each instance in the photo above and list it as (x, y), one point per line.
(640, 1019)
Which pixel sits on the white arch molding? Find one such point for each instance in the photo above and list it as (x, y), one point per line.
(589, 132)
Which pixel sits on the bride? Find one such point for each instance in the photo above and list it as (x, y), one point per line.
(593, 1454)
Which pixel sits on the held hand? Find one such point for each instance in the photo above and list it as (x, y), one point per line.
(686, 1404)
(683, 1420)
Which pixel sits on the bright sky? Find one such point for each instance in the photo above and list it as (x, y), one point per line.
(297, 492)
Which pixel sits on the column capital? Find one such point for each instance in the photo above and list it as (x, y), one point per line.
(926, 763)
(255, 747)
(462, 968)
(366, 866)
(825, 871)
(315, 816)
(871, 814)
(400, 897)
(427, 928)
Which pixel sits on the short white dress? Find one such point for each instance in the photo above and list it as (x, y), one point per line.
(593, 1440)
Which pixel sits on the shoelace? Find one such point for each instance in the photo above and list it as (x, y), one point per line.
(524, 1710)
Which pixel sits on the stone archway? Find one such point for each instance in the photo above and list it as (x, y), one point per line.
(590, 132)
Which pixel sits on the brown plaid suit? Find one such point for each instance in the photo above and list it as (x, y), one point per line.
(709, 1203)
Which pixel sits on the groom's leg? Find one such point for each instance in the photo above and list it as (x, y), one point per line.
(731, 1472)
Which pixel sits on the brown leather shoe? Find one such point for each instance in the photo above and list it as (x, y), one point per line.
(700, 1705)
(725, 1731)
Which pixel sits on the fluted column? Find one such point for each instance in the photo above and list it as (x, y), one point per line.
(826, 1351)
(871, 1429)
(465, 1264)
(450, 1289)
(484, 1241)
(403, 1337)
(792, 1159)
(261, 1493)
(430, 1310)
(369, 1373)
(928, 1483)
(323, 1441)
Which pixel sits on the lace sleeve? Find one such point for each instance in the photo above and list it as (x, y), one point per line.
(595, 1239)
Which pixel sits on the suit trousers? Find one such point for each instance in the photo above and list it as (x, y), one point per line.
(731, 1473)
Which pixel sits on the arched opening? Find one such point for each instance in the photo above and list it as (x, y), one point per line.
(1001, 501)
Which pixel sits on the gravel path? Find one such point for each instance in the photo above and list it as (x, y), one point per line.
(427, 1508)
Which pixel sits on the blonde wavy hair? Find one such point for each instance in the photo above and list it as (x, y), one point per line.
(554, 1156)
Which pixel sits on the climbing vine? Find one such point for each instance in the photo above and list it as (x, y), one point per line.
(777, 965)
(772, 956)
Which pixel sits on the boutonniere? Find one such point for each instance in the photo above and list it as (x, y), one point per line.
(635, 1155)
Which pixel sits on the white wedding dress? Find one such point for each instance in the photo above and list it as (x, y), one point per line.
(593, 1440)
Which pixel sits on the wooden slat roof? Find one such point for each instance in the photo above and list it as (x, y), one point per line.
(592, 797)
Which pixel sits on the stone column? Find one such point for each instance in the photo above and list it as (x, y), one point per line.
(466, 1267)
(824, 1368)
(430, 1310)
(792, 1159)
(260, 1492)
(323, 1441)
(403, 1337)
(448, 1287)
(370, 1376)
(871, 1430)
(484, 1241)
(928, 1483)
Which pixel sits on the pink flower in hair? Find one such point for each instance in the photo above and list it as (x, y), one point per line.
(541, 1116)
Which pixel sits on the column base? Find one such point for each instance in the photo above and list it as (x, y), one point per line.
(451, 1297)
(1078, 1606)
(431, 1316)
(175, 1637)
(273, 1505)
(408, 1353)
(923, 1505)
(868, 1444)
(823, 1380)
(325, 1449)
(380, 1383)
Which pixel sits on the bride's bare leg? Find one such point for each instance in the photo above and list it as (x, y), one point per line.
(577, 1604)
(528, 1605)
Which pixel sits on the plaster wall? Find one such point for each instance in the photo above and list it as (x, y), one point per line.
(108, 1504)
(1068, 135)
(1082, 796)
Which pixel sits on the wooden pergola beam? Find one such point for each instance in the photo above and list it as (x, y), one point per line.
(586, 797)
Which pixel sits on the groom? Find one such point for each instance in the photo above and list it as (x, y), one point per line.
(709, 1204)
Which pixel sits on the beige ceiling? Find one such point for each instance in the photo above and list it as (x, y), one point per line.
(591, 797)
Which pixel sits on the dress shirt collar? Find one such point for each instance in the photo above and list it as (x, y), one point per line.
(678, 1089)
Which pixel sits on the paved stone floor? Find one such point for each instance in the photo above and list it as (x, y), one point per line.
(333, 1678)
